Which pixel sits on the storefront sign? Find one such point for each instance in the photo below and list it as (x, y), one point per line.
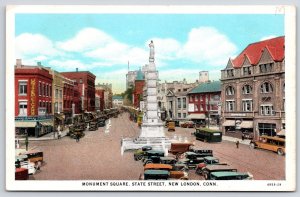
(32, 97)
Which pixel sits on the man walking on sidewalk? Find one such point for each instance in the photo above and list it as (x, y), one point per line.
(237, 144)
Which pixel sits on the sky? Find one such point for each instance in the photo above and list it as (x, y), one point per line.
(104, 43)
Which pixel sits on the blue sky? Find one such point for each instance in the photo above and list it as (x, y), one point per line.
(104, 43)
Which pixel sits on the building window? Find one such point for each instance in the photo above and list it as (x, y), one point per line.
(246, 70)
(23, 108)
(179, 103)
(179, 115)
(267, 110)
(40, 89)
(196, 98)
(56, 93)
(266, 88)
(44, 89)
(22, 87)
(266, 68)
(247, 89)
(283, 104)
(191, 98)
(55, 107)
(247, 105)
(50, 91)
(230, 73)
(60, 94)
(179, 90)
(196, 108)
(80, 80)
(184, 115)
(229, 90)
(47, 88)
(201, 98)
(201, 107)
(184, 103)
(230, 105)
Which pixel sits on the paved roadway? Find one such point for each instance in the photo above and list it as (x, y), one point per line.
(98, 157)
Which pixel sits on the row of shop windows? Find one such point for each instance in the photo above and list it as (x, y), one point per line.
(43, 109)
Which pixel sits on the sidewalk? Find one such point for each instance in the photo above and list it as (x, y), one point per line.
(49, 136)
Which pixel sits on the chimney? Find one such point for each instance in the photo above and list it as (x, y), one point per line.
(19, 62)
(76, 69)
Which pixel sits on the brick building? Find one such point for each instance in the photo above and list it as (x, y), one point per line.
(86, 86)
(253, 96)
(33, 99)
(100, 93)
(139, 84)
(203, 103)
(68, 96)
(105, 93)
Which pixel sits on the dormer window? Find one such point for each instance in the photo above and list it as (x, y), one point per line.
(266, 68)
(230, 73)
(247, 71)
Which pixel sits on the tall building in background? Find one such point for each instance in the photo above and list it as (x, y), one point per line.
(105, 92)
(203, 76)
(253, 89)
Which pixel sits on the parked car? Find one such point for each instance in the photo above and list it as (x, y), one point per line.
(206, 171)
(274, 144)
(208, 161)
(208, 135)
(247, 135)
(231, 176)
(142, 155)
(171, 126)
(179, 148)
(163, 167)
(155, 175)
(188, 124)
(202, 152)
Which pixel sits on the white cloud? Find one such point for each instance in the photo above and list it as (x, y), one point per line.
(267, 37)
(34, 44)
(70, 65)
(86, 39)
(208, 45)
(191, 75)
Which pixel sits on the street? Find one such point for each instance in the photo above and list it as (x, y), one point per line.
(97, 156)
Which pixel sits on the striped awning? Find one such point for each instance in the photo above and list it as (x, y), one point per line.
(23, 124)
(246, 124)
(228, 123)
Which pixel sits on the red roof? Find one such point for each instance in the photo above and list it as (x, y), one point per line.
(253, 51)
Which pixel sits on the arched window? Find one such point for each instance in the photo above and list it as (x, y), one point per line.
(266, 87)
(229, 90)
(247, 89)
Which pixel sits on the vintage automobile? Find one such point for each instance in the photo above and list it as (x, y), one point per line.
(177, 166)
(188, 124)
(171, 126)
(101, 123)
(179, 148)
(231, 176)
(208, 161)
(274, 144)
(206, 171)
(247, 135)
(202, 152)
(140, 154)
(208, 135)
(155, 175)
(33, 156)
(165, 167)
(93, 126)
(192, 160)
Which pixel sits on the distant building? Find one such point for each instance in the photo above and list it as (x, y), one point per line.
(107, 94)
(139, 84)
(203, 103)
(253, 89)
(117, 101)
(203, 76)
(86, 84)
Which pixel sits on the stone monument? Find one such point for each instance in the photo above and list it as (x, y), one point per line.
(152, 125)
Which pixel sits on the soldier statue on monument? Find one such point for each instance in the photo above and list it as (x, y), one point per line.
(152, 53)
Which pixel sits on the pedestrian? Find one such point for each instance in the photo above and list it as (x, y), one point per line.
(237, 144)
(26, 142)
(243, 137)
(77, 137)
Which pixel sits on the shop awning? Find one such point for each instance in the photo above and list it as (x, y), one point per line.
(228, 123)
(47, 123)
(247, 124)
(281, 133)
(25, 124)
(196, 116)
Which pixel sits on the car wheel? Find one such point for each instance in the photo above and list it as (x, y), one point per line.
(139, 157)
(252, 145)
(280, 151)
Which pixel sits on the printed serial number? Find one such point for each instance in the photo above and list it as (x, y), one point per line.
(274, 184)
